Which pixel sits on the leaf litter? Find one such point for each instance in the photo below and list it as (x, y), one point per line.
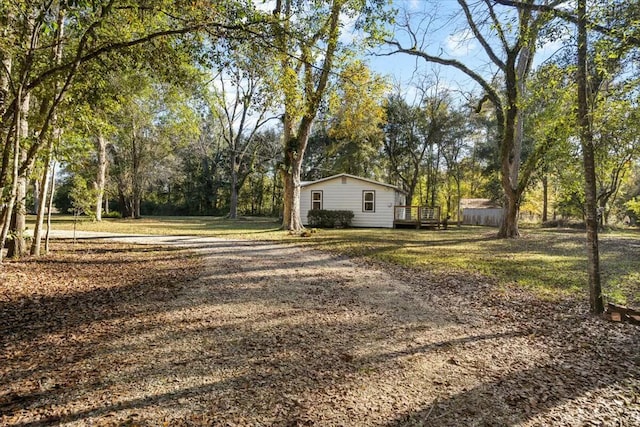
(240, 333)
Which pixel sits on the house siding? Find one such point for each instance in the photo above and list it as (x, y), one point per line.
(348, 196)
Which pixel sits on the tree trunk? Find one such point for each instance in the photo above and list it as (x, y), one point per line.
(586, 139)
(291, 215)
(50, 206)
(261, 199)
(18, 245)
(7, 213)
(101, 174)
(37, 232)
(459, 193)
(409, 196)
(293, 166)
(136, 180)
(36, 197)
(42, 204)
(274, 208)
(124, 211)
(511, 147)
(545, 198)
(509, 225)
(136, 207)
(233, 203)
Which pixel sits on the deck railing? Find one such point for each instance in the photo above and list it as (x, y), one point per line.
(407, 213)
(430, 214)
(418, 215)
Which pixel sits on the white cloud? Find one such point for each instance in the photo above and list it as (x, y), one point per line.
(461, 43)
(414, 4)
(348, 33)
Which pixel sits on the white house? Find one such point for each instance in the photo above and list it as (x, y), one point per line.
(371, 202)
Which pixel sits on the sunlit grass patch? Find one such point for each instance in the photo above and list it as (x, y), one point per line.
(175, 225)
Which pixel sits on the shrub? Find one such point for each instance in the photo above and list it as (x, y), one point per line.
(112, 214)
(329, 219)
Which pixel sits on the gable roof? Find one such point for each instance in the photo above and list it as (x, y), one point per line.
(340, 175)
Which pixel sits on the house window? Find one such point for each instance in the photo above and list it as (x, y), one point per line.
(316, 200)
(368, 201)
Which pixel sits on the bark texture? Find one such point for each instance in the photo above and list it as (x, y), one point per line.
(101, 174)
(596, 301)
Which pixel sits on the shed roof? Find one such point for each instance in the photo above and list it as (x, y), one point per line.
(340, 175)
(479, 204)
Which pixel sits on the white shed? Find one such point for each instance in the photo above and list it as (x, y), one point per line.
(481, 212)
(370, 201)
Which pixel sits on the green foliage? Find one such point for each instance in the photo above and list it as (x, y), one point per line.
(422, 138)
(634, 206)
(61, 199)
(356, 116)
(329, 218)
(82, 197)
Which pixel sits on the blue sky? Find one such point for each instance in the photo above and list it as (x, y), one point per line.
(442, 31)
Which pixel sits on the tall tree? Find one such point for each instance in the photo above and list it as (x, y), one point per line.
(453, 151)
(154, 124)
(508, 38)
(414, 136)
(588, 157)
(550, 123)
(615, 123)
(307, 40)
(621, 26)
(197, 188)
(52, 138)
(356, 115)
(404, 144)
(244, 99)
(261, 194)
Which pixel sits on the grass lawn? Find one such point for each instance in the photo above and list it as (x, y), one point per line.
(551, 262)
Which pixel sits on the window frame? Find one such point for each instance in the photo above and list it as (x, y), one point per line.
(365, 202)
(321, 201)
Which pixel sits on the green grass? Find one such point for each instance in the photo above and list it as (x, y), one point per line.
(550, 262)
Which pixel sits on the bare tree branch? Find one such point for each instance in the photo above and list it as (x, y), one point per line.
(478, 35)
(497, 25)
(489, 90)
(570, 17)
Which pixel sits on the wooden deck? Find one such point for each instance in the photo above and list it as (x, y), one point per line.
(416, 216)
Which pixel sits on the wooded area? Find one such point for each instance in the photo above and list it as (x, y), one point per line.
(126, 109)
